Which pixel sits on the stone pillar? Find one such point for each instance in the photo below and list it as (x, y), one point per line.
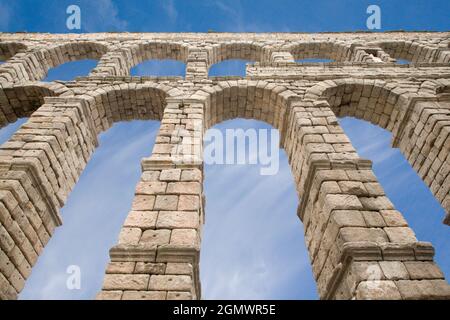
(197, 65)
(282, 57)
(113, 63)
(157, 255)
(39, 166)
(424, 139)
(360, 246)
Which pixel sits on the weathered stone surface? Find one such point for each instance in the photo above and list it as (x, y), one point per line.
(125, 282)
(120, 267)
(184, 237)
(177, 219)
(157, 237)
(188, 202)
(109, 295)
(170, 283)
(141, 219)
(143, 202)
(130, 235)
(170, 175)
(150, 268)
(424, 289)
(179, 268)
(423, 270)
(394, 270)
(144, 295)
(378, 290)
(400, 234)
(179, 295)
(166, 202)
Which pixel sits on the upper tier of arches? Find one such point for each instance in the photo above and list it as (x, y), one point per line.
(31, 61)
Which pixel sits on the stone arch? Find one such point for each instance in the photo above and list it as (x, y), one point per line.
(58, 141)
(418, 123)
(238, 50)
(19, 101)
(120, 60)
(339, 52)
(113, 103)
(409, 50)
(375, 101)
(337, 189)
(9, 49)
(246, 99)
(272, 103)
(34, 65)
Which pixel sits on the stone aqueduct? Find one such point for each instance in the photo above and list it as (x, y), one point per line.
(360, 246)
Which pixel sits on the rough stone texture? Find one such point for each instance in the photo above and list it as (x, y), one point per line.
(360, 246)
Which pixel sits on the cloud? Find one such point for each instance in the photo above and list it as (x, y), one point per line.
(100, 16)
(239, 21)
(170, 9)
(253, 242)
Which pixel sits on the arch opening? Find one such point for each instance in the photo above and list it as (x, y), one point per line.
(237, 51)
(137, 102)
(262, 249)
(52, 56)
(120, 105)
(321, 50)
(158, 52)
(163, 67)
(94, 214)
(17, 102)
(404, 187)
(386, 106)
(402, 61)
(7, 131)
(232, 67)
(410, 51)
(70, 70)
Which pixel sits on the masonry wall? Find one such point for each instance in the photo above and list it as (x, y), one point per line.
(360, 246)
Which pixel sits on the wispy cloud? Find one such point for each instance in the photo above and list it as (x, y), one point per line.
(101, 15)
(240, 21)
(253, 245)
(170, 9)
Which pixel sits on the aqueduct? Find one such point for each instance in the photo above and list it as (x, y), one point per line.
(360, 246)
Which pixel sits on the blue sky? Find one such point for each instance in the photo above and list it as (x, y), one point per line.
(253, 245)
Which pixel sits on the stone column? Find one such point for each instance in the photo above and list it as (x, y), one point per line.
(157, 255)
(197, 65)
(360, 246)
(424, 139)
(113, 63)
(39, 166)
